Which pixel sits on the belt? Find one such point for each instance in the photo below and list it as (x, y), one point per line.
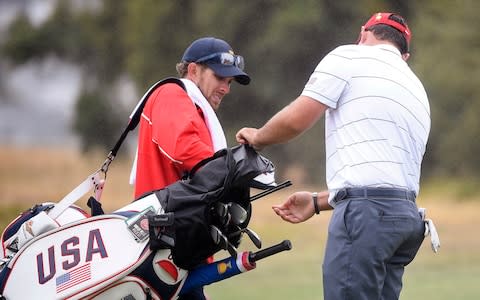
(371, 193)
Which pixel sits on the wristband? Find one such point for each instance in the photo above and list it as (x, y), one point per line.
(315, 204)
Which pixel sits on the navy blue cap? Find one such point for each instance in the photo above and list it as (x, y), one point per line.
(206, 46)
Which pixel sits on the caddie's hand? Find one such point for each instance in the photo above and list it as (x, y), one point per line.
(297, 208)
(247, 135)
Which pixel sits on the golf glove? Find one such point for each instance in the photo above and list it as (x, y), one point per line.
(431, 230)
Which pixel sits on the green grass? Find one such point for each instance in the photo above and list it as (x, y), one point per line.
(442, 280)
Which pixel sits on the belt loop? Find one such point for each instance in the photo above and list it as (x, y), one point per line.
(341, 194)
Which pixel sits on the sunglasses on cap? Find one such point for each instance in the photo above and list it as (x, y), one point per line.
(224, 58)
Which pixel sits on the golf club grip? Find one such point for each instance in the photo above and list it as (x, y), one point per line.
(283, 246)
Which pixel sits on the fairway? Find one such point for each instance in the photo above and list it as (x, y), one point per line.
(453, 273)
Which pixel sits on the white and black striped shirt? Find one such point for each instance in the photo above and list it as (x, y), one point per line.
(378, 120)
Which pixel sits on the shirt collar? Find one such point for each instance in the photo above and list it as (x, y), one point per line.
(390, 48)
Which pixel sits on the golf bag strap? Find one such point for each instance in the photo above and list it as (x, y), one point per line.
(91, 182)
(137, 112)
(135, 118)
(94, 181)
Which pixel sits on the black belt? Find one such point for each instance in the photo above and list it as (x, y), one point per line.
(371, 193)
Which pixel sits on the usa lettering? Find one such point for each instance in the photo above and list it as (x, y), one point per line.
(70, 250)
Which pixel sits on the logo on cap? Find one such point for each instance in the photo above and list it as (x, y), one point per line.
(384, 18)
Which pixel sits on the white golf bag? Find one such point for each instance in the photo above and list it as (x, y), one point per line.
(101, 257)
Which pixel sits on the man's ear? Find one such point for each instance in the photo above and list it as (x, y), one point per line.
(405, 56)
(362, 36)
(193, 70)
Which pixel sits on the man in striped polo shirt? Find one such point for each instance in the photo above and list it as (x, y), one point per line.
(377, 122)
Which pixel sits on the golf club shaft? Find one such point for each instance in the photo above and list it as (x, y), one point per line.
(271, 190)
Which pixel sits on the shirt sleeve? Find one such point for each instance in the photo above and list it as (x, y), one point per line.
(330, 78)
(179, 129)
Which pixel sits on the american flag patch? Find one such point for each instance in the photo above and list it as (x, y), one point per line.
(74, 277)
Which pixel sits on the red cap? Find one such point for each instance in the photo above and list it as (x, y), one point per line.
(383, 18)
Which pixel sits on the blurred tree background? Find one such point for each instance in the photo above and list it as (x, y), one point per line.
(282, 42)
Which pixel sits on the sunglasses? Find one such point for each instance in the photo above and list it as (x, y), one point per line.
(224, 58)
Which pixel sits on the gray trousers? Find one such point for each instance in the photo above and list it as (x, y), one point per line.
(370, 241)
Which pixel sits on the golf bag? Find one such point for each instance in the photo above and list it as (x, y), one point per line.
(146, 250)
(216, 193)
